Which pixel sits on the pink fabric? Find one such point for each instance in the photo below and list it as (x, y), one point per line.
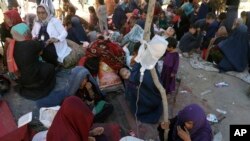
(12, 67)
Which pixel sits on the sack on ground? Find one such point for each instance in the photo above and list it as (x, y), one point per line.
(75, 55)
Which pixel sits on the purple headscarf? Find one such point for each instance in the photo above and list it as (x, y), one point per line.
(201, 130)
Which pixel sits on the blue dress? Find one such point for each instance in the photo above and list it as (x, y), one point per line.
(150, 103)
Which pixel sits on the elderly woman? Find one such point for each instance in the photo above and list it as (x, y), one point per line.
(37, 78)
(189, 125)
(51, 31)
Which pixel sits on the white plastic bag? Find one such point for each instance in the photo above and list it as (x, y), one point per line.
(47, 115)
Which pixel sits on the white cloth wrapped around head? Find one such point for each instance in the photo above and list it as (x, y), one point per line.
(149, 56)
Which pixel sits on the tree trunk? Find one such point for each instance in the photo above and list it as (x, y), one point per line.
(150, 13)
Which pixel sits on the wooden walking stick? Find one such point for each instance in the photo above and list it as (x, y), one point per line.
(146, 37)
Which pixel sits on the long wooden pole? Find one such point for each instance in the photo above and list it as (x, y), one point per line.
(146, 37)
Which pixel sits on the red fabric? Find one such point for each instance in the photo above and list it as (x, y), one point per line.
(72, 122)
(7, 123)
(157, 10)
(12, 67)
(109, 52)
(175, 19)
(14, 17)
(111, 130)
(23, 133)
(8, 127)
(82, 61)
(204, 53)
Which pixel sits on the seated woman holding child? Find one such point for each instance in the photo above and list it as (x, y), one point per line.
(75, 28)
(90, 93)
(37, 78)
(214, 54)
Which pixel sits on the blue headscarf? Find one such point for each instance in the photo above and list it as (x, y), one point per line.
(76, 33)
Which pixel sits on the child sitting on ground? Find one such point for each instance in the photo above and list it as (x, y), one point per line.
(190, 41)
(170, 66)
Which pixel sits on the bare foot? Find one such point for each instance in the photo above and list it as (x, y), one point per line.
(96, 131)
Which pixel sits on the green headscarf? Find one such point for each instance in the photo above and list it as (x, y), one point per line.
(20, 31)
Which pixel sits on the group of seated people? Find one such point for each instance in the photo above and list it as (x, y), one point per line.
(44, 61)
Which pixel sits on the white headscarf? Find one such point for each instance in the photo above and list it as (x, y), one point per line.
(48, 11)
(50, 6)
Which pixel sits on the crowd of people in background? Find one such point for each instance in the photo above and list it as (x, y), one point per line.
(56, 61)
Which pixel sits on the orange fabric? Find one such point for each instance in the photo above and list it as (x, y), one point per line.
(12, 67)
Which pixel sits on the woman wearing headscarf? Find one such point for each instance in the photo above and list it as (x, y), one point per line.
(235, 49)
(11, 18)
(50, 30)
(73, 122)
(75, 29)
(37, 78)
(189, 125)
(149, 99)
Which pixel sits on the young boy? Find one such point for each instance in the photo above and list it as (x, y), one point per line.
(170, 66)
(190, 41)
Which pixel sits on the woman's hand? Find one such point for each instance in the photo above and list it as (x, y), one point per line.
(96, 131)
(51, 40)
(184, 135)
(165, 125)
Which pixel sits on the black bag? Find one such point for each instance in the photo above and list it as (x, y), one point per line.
(4, 84)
